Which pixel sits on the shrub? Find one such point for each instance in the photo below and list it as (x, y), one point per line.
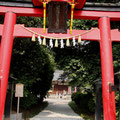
(84, 101)
(27, 102)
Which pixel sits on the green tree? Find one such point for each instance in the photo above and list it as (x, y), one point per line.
(82, 64)
(32, 64)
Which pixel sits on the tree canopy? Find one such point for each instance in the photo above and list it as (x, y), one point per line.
(33, 65)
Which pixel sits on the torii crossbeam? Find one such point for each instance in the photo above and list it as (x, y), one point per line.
(93, 35)
(104, 35)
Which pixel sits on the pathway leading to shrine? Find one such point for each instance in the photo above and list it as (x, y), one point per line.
(57, 109)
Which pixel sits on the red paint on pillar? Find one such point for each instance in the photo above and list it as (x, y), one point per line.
(5, 56)
(107, 69)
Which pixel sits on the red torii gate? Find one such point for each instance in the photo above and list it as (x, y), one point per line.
(104, 34)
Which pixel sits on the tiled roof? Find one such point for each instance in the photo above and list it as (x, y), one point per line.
(57, 74)
(114, 5)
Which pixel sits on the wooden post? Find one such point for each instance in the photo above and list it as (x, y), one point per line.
(18, 106)
(8, 102)
(18, 93)
(98, 100)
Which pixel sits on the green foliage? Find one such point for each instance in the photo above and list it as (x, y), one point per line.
(91, 104)
(83, 24)
(34, 110)
(32, 64)
(82, 112)
(82, 62)
(30, 21)
(84, 101)
(116, 58)
(117, 104)
(27, 102)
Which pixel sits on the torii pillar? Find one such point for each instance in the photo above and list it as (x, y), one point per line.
(5, 56)
(107, 69)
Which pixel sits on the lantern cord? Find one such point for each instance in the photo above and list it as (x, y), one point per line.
(56, 37)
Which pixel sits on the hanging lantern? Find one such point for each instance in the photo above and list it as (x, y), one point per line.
(33, 38)
(44, 41)
(39, 40)
(79, 39)
(68, 43)
(56, 43)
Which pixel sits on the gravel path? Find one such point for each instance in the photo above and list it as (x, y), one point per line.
(57, 110)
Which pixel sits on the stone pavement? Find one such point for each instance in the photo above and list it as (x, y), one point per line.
(57, 109)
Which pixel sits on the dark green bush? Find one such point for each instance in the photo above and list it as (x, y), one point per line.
(91, 105)
(27, 102)
(84, 101)
(33, 66)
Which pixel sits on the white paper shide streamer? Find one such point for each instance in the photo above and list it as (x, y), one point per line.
(74, 42)
(51, 43)
(40, 40)
(61, 43)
